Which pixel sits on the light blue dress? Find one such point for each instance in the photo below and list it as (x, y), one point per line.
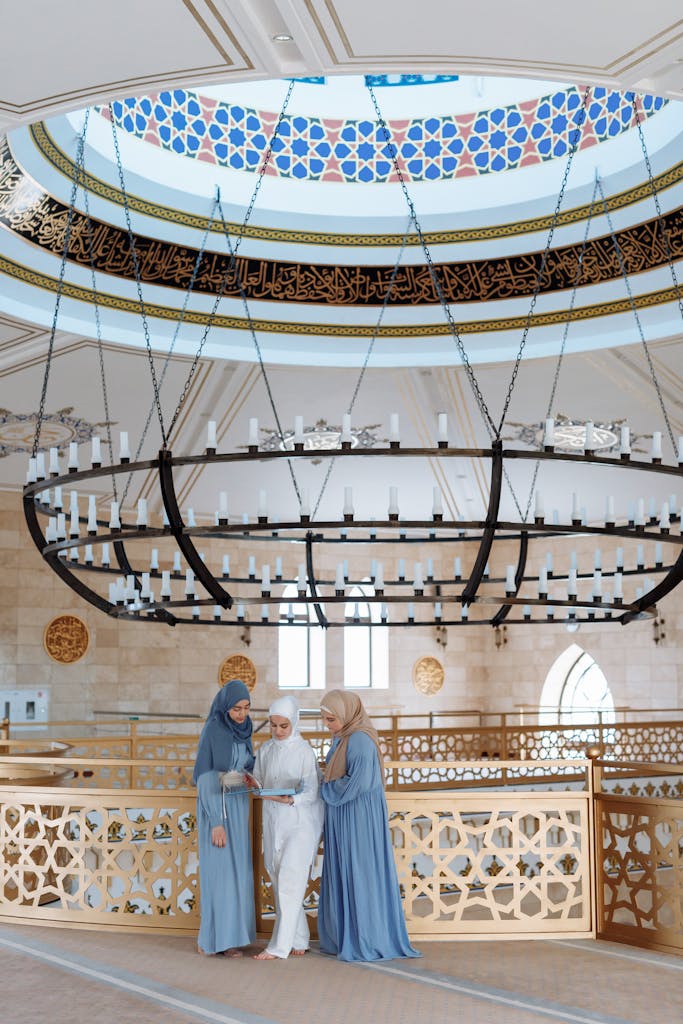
(226, 876)
(360, 916)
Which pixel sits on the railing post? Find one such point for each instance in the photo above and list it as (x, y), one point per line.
(4, 729)
(595, 832)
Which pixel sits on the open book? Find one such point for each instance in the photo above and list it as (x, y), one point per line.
(245, 782)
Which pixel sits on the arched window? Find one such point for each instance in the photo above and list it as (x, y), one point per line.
(366, 642)
(301, 645)
(575, 690)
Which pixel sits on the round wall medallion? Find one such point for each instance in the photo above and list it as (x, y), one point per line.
(428, 675)
(66, 639)
(238, 666)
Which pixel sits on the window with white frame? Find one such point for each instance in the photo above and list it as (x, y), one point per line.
(366, 641)
(301, 644)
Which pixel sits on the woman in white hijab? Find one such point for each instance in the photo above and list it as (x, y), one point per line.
(291, 825)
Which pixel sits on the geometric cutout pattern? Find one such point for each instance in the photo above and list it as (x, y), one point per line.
(348, 150)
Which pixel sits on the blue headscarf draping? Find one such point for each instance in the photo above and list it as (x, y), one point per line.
(220, 732)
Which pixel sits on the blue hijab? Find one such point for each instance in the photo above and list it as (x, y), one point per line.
(220, 732)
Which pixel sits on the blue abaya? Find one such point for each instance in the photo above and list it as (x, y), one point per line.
(360, 916)
(227, 917)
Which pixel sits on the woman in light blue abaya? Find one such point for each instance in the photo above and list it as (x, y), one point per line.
(360, 916)
(227, 918)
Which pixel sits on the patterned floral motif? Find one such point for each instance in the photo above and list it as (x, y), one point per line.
(429, 149)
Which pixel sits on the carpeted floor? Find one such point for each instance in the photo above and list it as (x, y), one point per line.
(65, 976)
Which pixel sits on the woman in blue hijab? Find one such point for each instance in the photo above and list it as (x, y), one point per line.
(227, 919)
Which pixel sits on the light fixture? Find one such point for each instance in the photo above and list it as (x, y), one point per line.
(437, 569)
(282, 37)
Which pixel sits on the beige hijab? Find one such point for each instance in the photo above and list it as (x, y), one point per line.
(348, 708)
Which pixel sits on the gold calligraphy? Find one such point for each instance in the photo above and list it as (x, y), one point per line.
(428, 675)
(238, 666)
(66, 639)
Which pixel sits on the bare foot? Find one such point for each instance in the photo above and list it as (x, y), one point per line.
(264, 955)
(233, 953)
(299, 952)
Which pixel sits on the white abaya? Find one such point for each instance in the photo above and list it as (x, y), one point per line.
(291, 835)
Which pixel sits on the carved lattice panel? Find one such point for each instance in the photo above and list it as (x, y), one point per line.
(79, 861)
(487, 864)
(640, 871)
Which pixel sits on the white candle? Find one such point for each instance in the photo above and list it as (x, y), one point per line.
(549, 562)
(145, 591)
(278, 568)
(73, 456)
(656, 452)
(211, 439)
(418, 582)
(401, 568)
(549, 433)
(348, 501)
(673, 505)
(74, 530)
(442, 427)
(223, 505)
(298, 430)
(253, 432)
(658, 553)
(225, 568)
(437, 611)
(625, 441)
(411, 611)
(54, 461)
(379, 576)
(142, 512)
(51, 530)
(640, 556)
(88, 554)
(393, 428)
(571, 583)
(154, 560)
(542, 581)
(124, 450)
(189, 582)
(538, 510)
(619, 561)
(216, 612)
(32, 471)
(609, 509)
(464, 613)
(589, 443)
(262, 505)
(573, 561)
(346, 436)
(40, 465)
(618, 587)
(598, 559)
(252, 566)
(92, 514)
(240, 611)
(96, 452)
(195, 611)
(597, 583)
(264, 612)
(664, 519)
(339, 579)
(114, 521)
(393, 501)
(384, 613)
(575, 507)
(437, 507)
(640, 512)
(526, 611)
(510, 586)
(105, 555)
(430, 568)
(166, 584)
(301, 578)
(176, 562)
(265, 578)
(457, 567)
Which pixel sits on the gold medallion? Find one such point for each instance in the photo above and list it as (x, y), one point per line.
(428, 675)
(238, 666)
(66, 639)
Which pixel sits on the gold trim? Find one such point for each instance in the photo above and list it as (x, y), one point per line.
(342, 330)
(56, 157)
(66, 639)
(428, 675)
(237, 666)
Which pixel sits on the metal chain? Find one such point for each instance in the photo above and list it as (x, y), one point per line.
(553, 390)
(77, 174)
(432, 269)
(176, 332)
(655, 197)
(136, 271)
(250, 322)
(98, 328)
(634, 310)
(573, 146)
(385, 303)
(230, 269)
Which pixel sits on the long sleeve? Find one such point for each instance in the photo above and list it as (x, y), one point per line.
(210, 797)
(310, 781)
(362, 772)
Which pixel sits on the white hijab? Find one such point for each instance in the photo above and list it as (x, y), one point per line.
(287, 707)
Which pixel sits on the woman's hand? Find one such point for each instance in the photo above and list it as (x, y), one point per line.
(281, 799)
(218, 836)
